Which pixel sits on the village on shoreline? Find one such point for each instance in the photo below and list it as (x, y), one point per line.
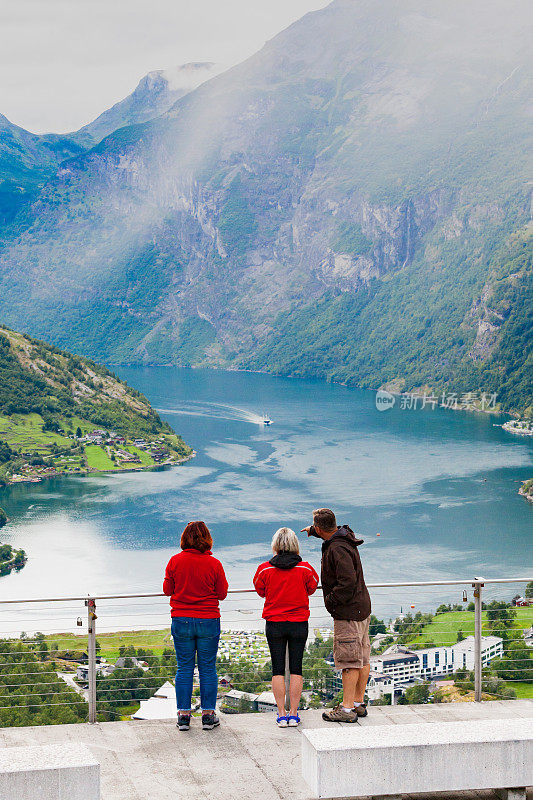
(99, 451)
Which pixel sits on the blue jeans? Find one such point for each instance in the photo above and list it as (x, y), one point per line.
(196, 637)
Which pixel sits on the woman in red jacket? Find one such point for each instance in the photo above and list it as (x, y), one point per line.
(195, 582)
(286, 583)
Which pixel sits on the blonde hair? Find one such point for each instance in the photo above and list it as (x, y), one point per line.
(285, 541)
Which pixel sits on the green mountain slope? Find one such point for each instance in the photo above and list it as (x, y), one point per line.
(436, 344)
(365, 171)
(27, 161)
(61, 413)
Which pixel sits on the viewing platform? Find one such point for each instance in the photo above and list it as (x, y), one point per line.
(248, 756)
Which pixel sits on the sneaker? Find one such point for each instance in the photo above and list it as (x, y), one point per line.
(361, 710)
(184, 722)
(282, 722)
(293, 721)
(210, 721)
(338, 714)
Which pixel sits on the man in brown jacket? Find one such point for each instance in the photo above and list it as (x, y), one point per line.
(347, 600)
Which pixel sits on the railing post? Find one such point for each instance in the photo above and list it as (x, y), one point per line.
(478, 584)
(287, 680)
(91, 652)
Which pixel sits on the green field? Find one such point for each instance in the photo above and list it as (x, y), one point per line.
(68, 463)
(524, 691)
(111, 642)
(144, 457)
(98, 458)
(25, 430)
(444, 628)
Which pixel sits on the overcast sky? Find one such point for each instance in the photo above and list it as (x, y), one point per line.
(63, 62)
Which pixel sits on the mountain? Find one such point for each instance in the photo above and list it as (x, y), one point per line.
(27, 161)
(61, 413)
(154, 94)
(351, 202)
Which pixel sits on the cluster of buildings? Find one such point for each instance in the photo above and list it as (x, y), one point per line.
(522, 427)
(430, 662)
(523, 602)
(104, 669)
(155, 449)
(114, 444)
(251, 645)
(111, 439)
(162, 705)
(257, 702)
(98, 436)
(391, 673)
(31, 474)
(399, 668)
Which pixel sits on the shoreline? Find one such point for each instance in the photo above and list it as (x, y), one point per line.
(85, 473)
(345, 384)
(526, 490)
(517, 426)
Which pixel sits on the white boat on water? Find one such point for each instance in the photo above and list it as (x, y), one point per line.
(266, 420)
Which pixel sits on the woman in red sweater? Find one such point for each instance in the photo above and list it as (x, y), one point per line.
(286, 583)
(195, 582)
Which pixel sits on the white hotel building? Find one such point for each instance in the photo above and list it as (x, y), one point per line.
(405, 665)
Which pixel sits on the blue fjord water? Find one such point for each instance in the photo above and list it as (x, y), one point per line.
(440, 487)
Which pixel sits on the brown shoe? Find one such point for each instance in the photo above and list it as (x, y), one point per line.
(338, 714)
(361, 710)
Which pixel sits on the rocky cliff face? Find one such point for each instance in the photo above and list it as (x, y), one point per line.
(28, 161)
(370, 156)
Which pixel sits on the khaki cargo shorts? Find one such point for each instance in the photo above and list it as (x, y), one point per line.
(351, 643)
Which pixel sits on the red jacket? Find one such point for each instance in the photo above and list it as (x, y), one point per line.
(195, 582)
(286, 583)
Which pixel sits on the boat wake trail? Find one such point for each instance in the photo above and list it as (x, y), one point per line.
(216, 410)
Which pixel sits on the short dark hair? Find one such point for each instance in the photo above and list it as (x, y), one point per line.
(324, 518)
(196, 536)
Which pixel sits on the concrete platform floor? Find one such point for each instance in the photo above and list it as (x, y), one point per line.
(247, 757)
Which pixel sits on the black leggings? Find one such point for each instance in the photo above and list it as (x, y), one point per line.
(281, 634)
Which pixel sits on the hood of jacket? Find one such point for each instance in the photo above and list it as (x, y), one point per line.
(343, 583)
(285, 560)
(346, 535)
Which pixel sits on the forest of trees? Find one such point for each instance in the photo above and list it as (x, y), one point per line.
(10, 557)
(24, 390)
(31, 693)
(336, 337)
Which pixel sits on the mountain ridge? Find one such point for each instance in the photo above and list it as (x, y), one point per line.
(28, 160)
(366, 150)
(156, 93)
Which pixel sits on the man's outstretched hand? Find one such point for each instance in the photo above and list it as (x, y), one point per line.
(311, 531)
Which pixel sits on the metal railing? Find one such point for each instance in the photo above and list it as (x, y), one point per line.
(93, 603)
